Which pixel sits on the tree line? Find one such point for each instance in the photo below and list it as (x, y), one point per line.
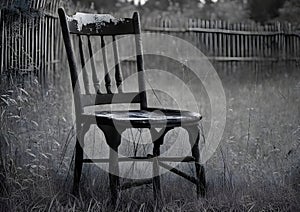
(261, 11)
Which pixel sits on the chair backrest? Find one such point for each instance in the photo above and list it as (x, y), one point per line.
(102, 25)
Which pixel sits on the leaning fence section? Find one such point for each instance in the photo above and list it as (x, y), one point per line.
(224, 41)
(30, 40)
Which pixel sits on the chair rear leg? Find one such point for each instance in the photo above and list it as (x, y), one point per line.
(201, 181)
(200, 171)
(156, 178)
(201, 184)
(78, 167)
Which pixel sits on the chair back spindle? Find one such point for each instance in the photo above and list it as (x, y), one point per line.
(106, 71)
(118, 74)
(93, 66)
(84, 73)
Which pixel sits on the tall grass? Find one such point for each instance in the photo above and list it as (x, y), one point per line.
(256, 167)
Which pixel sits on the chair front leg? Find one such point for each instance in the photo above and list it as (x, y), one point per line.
(114, 181)
(158, 140)
(193, 132)
(113, 139)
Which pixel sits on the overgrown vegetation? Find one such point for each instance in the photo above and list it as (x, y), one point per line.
(33, 131)
(255, 168)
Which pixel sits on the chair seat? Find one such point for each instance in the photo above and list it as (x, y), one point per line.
(146, 118)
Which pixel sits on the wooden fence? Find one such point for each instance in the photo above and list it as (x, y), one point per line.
(30, 37)
(31, 45)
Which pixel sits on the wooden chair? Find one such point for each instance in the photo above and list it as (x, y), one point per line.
(110, 122)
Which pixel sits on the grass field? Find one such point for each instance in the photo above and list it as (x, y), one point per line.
(255, 168)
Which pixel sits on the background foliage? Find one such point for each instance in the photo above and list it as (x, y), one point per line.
(231, 10)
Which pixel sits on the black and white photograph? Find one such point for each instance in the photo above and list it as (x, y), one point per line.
(149, 105)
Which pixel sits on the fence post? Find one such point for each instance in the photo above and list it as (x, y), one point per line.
(1, 42)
